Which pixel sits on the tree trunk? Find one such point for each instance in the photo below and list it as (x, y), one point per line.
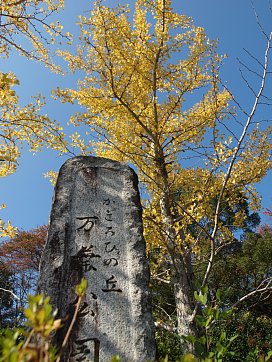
(184, 302)
(181, 260)
(182, 277)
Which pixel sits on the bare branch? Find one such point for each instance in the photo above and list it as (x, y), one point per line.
(236, 102)
(253, 57)
(259, 290)
(232, 162)
(10, 292)
(163, 326)
(249, 69)
(247, 83)
(258, 21)
(160, 279)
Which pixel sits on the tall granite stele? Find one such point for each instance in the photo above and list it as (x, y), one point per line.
(96, 232)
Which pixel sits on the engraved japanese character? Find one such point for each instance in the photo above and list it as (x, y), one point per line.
(111, 285)
(108, 216)
(109, 248)
(81, 358)
(87, 265)
(86, 252)
(111, 261)
(108, 201)
(82, 259)
(82, 349)
(89, 222)
(109, 230)
(84, 309)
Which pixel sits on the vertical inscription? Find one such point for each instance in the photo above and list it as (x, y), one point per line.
(96, 258)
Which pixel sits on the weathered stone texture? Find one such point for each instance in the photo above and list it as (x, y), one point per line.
(96, 232)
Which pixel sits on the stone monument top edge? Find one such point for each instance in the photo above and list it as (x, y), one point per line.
(97, 161)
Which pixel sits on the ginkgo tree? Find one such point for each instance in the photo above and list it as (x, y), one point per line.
(152, 94)
(25, 28)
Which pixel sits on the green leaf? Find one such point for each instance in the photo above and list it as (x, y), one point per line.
(208, 321)
(205, 289)
(202, 298)
(190, 338)
(202, 340)
(81, 287)
(216, 314)
(218, 295)
(199, 349)
(208, 311)
(189, 358)
(223, 336)
(196, 296)
(219, 349)
(117, 359)
(226, 313)
(233, 338)
(267, 358)
(200, 320)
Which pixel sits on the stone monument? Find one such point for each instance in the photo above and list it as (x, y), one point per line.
(96, 232)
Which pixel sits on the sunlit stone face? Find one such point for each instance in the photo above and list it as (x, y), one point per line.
(96, 233)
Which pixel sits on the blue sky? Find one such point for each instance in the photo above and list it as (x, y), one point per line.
(27, 193)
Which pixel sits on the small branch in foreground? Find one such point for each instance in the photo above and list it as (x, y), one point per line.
(70, 328)
(80, 291)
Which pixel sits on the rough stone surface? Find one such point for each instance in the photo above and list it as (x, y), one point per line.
(96, 232)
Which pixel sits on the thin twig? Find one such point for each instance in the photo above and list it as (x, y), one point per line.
(259, 289)
(9, 291)
(70, 327)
